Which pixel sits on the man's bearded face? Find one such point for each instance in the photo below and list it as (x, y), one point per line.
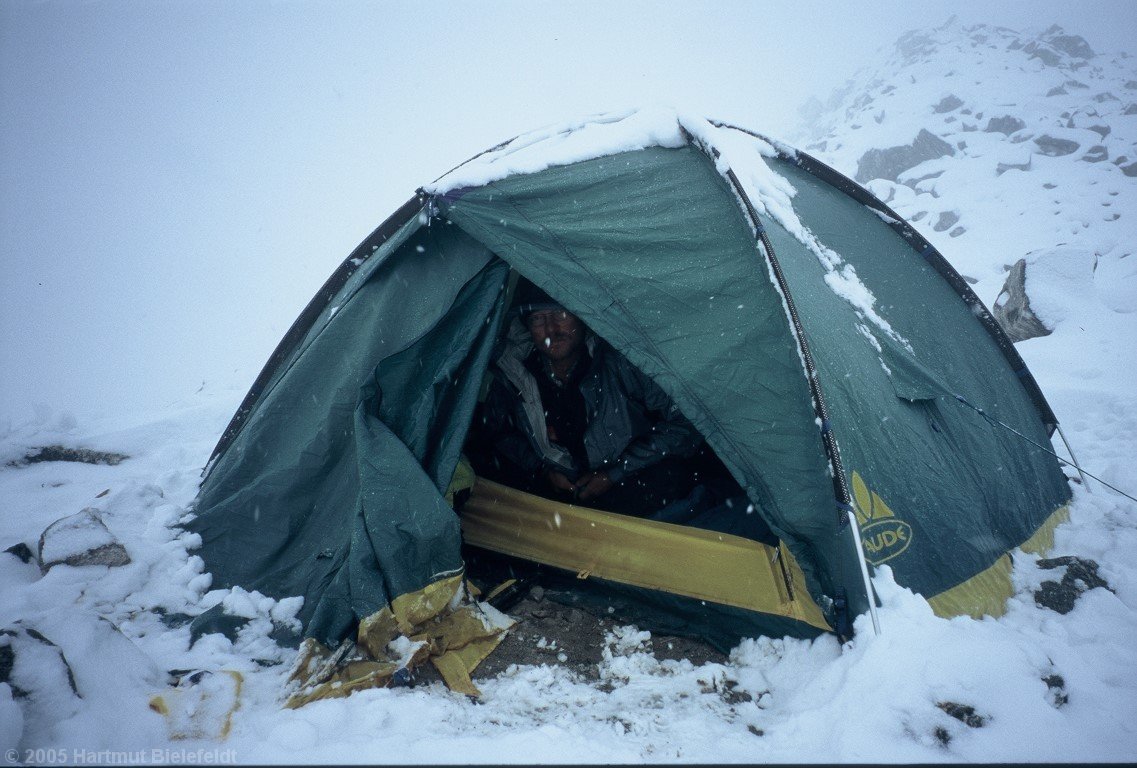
(557, 333)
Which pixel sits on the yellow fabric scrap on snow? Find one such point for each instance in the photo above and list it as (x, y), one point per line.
(203, 708)
(455, 639)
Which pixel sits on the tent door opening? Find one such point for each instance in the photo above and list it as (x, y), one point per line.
(711, 547)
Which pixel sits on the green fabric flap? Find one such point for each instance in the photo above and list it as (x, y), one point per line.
(318, 496)
(910, 379)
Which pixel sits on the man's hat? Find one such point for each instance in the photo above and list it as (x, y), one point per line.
(529, 299)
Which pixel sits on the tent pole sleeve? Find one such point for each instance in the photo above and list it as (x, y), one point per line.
(921, 245)
(855, 532)
(1070, 450)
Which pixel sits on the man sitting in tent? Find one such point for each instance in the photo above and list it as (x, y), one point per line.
(568, 418)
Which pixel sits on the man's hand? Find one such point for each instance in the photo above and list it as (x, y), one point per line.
(592, 485)
(560, 482)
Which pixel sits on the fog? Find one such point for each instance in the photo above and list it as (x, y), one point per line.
(177, 179)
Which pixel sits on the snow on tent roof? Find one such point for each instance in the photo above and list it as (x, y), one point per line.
(735, 150)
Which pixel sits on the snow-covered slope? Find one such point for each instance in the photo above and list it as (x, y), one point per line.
(995, 144)
(1042, 686)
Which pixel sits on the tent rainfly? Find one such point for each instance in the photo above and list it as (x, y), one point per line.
(824, 349)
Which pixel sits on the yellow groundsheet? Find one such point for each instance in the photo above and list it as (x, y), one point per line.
(681, 560)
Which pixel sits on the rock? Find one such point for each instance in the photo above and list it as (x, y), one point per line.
(947, 104)
(1002, 168)
(1005, 125)
(22, 551)
(1101, 130)
(41, 681)
(1056, 690)
(1096, 154)
(1080, 576)
(1129, 170)
(1044, 54)
(1074, 46)
(964, 713)
(1055, 147)
(1130, 110)
(1057, 91)
(946, 220)
(889, 163)
(80, 539)
(1012, 307)
(81, 455)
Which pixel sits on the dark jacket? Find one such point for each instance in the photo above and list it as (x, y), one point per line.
(632, 423)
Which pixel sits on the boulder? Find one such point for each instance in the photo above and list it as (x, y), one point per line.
(1012, 307)
(1005, 124)
(1080, 576)
(40, 682)
(80, 539)
(1096, 154)
(946, 221)
(889, 163)
(1055, 147)
(947, 104)
(1074, 46)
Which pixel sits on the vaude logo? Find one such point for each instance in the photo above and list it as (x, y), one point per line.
(883, 535)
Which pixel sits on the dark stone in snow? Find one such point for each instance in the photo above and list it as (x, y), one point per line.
(1101, 130)
(1129, 170)
(1012, 307)
(81, 455)
(1056, 690)
(1102, 98)
(80, 539)
(1056, 91)
(1074, 46)
(1096, 154)
(946, 220)
(947, 104)
(22, 551)
(1081, 575)
(964, 713)
(1004, 167)
(30, 679)
(1130, 110)
(889, 163)
(1005, 125)
(1045, 55)
(1055, 147)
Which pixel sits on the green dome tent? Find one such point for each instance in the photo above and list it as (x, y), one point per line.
(825, 350)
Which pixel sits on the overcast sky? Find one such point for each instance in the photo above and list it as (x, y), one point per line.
(178, 178)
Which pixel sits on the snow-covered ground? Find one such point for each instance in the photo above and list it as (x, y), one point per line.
(1044, 686)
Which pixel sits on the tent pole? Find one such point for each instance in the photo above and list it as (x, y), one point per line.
(1070, 450)
(855, 530)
